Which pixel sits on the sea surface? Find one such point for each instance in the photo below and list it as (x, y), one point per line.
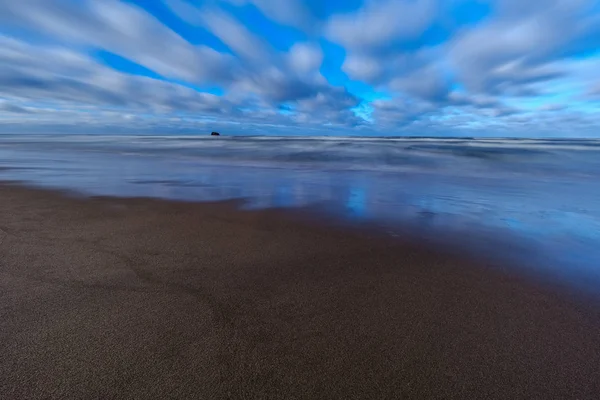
(536, 202)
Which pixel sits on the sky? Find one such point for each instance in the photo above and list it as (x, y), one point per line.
(302, 67)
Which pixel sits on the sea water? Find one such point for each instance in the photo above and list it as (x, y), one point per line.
(532, 200)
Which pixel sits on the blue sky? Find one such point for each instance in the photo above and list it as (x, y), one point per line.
(317, 67)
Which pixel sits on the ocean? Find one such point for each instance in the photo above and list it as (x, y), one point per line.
(534, 202)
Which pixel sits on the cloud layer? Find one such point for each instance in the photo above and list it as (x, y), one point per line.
(386, 67)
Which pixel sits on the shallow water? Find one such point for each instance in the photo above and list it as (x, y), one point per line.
(529, 200)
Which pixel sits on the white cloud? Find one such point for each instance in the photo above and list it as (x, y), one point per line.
(241, 41)
(186, 11)
(515, 52)
(492, 74)
(362, 67)
(120, 28)
(68, 81)
(381, 23)
(275, 77)
(423, 83)
(70, 78)
(518, 44)
(305, 58)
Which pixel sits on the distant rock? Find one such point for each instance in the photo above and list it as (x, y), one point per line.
(215, 134)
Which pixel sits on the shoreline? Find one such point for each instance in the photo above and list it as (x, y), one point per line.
(469, 248)
(108, 297)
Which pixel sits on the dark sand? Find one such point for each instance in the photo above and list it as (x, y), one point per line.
(119, 299)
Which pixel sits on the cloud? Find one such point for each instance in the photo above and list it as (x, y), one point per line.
(553, 107)
(239, 39)
(287, 12)
(121, 28)
(186, 11)
(457, 111)
(304, 58)
(71, 81)
(6, 107)
(493, 66)
(517, 46)
(424, 83)
(276, 77)
(477, 101)
(381, 42)
(330, 106)
(399, 112)
(255, 74)
(364, 68)
(514, 52)
(595, 91)
(380, 24)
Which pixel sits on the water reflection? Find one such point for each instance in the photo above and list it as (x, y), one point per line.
(356, 204)
(283, 196)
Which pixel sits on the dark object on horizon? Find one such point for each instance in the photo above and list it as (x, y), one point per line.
(215, 134)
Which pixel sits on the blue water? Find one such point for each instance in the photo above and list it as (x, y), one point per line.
(532, 201)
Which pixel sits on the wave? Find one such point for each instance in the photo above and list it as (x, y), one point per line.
(368, 153)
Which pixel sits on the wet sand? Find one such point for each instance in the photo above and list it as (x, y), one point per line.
(134, 298)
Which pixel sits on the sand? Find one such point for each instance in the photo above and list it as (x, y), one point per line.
(109, 298)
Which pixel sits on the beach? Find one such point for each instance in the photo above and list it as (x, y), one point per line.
(119, 298)
(540, 195)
